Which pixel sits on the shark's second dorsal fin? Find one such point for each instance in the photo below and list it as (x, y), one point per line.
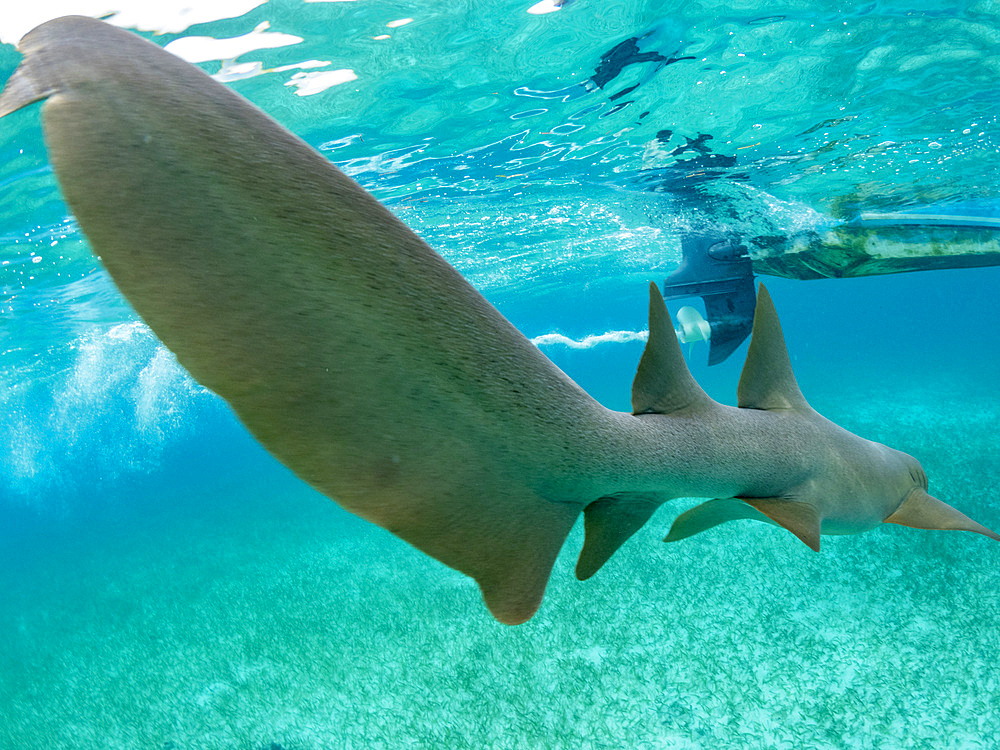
(767, 381)
(663, 383)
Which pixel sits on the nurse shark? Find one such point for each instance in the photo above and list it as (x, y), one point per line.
(369, 366)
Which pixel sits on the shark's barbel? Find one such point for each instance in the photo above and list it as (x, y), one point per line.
(369, 366)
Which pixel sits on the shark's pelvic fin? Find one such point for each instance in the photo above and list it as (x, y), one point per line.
(922, 511)
(767, 380)
(608, 524)
(663, 384)
(797, 516)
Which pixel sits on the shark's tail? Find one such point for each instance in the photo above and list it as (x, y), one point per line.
(922, 511)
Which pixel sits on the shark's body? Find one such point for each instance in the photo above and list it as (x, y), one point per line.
(370, 367)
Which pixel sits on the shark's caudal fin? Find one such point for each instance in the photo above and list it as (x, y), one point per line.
(21, 89)
(768, 383)
(922, 511)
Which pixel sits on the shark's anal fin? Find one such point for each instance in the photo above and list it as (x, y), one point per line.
(608, 523)
(922, 511)
(797, 516)
(710, 514)
(663, 384)
(767, 380)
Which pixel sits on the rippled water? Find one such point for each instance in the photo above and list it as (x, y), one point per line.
(167, 585)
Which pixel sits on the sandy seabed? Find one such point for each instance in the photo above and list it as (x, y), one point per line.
(242, 611)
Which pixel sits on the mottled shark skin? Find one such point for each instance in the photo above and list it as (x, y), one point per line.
(364, 362)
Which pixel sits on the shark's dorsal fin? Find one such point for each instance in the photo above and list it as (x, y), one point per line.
(663, 384)
(921, 511)
(797, 516)
(767, 380)
(608, 523)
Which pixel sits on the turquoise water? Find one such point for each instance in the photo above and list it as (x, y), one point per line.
(166, 584)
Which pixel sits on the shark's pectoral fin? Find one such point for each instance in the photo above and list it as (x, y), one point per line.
(608, 523)
(922, 511)
(797, 516)
(507, 538)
